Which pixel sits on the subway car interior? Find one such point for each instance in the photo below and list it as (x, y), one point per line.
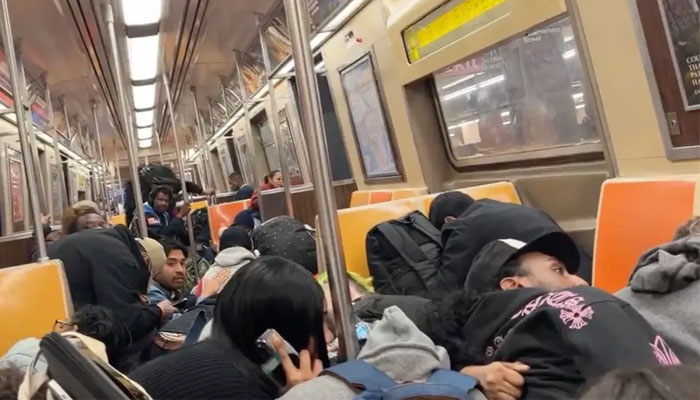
(351, 131)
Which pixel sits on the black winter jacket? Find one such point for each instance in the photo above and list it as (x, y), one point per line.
(105, 267)
(483, 222)
(567, 337)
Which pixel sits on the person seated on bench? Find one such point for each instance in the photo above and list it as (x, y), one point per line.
(469, 225)
(90, 320)
(508, 312)
(665, 288)
(268, 293)
(235, 251)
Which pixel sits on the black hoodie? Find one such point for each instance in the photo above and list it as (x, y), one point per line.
(105, 267)
(566, 337)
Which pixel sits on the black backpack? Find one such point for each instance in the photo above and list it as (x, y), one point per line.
(404, 254)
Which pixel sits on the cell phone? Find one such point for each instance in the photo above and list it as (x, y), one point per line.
(270, 357)
(180, 304)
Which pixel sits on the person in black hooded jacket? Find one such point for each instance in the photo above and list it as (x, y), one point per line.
(567, 337)
(106, 267)
(479, 222)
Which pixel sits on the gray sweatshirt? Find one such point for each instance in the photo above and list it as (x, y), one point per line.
(396, 347)
(665, 289)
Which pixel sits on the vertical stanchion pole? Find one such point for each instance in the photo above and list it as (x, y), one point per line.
(128, 131)
(43, 196)
(223, 96)
(21, 127)
(160, 148)
(252, 152)
(118, 173)
(298, 22)
(100, 154)
(56, 151)
(181, 167)
(206, 155)
(276, 120)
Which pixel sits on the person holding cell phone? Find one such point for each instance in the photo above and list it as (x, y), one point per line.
(267, 294)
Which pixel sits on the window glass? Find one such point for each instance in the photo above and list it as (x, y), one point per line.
(524, 95)
(279, 45)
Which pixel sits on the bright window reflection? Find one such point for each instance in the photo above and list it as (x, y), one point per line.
(521, 96)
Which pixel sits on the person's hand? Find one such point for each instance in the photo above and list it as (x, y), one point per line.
(184, 210)
(45, 219)
(166, 309)
(306, 371)
(212, 285)
(499, 380)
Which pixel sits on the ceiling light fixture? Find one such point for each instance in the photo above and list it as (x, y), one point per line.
(144, 133)
(144, 118)
(141, 12)
(143, 57)
(144, 96)
(143, 144)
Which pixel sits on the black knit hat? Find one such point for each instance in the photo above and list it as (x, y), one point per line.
(448, 204)
(235, 236)
(288, 238)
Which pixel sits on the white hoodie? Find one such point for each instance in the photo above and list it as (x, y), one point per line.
(230, 259)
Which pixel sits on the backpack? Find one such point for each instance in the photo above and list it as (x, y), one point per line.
(403, 255)
(374, 384)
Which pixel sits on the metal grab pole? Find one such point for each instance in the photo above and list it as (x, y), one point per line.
(100, 154)
(57, 152)
(298, 22)
(119, 174)
(223, 96)
(160, 148)
(252, 156)
(128, 132)
(287, 184)
(199, 129)
(43, 195)
(21, 127)
(181, 167)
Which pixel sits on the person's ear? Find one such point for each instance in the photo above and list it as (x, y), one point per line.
(449, 218)
(509, 283)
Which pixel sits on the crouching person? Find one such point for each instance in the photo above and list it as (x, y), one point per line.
(522, 305)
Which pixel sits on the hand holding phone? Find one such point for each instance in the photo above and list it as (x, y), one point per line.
(297, 367)
(180, 304)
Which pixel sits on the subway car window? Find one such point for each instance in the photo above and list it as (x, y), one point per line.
(525, 94)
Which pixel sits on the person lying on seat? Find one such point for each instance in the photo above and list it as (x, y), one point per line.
(660, 383)
(665, 288)
(468, 225)
(109, 268)
(521, 304)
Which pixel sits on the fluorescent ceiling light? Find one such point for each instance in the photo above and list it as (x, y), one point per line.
(141, 12)
(568, 38)
(82, 162)
(318, 39)
(580, 106)
(343, 15)
(144, 118)
(577, 96)
(144, 95)
(144, 133)
(143, 57)
(145, 143)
